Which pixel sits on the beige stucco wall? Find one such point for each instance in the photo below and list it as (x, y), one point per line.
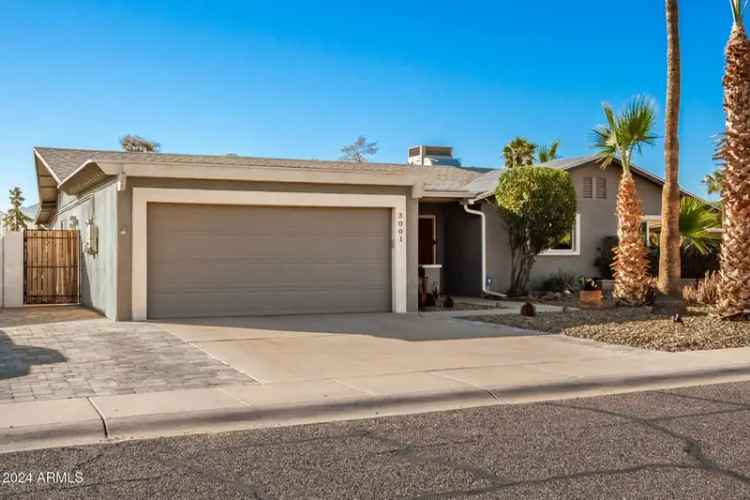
(98, 272)
(124, 222)
(598, 220)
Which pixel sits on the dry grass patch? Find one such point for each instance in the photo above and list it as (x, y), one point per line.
(635, 327)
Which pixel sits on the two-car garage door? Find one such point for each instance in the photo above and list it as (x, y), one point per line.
(224, 260)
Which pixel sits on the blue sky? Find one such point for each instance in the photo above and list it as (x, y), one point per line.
(301, 80)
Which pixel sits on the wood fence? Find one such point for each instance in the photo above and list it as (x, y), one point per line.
(51, 260)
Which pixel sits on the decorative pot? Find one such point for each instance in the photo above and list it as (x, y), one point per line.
(591, 297)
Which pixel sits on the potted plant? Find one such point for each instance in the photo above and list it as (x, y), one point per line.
(591, 293)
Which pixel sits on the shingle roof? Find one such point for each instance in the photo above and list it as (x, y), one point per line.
(568, 163)
(63, 162)
(484, 183)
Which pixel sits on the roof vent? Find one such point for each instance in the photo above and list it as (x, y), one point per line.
(432, 155)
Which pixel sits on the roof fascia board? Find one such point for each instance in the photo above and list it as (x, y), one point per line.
(40, 158)
(262, 174)
(440, 193)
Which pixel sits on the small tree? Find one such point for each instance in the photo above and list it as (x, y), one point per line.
(359, 150)
(15, 219)
(137, 144)
(539, 207)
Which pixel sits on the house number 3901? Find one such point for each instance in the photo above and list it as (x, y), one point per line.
(400, 227)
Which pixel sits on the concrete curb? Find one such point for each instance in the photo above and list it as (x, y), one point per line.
(244, 415)
(51, 435)
(613, 384)
(277, 415)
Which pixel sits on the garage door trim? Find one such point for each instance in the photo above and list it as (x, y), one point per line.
(143, 196)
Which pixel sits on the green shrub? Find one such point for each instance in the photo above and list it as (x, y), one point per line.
(560, 282)
(538, 205)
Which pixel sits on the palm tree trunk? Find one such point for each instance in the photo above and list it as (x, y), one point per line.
(630, 265)
(670, 294)
(734, 292)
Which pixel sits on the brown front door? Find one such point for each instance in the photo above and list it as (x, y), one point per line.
(426, 241)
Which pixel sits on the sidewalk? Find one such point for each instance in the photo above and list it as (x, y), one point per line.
(61, 422)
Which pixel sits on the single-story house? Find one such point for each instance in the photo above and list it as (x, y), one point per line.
(171, 235)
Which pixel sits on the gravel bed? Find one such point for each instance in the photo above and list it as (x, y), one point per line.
(636, 327)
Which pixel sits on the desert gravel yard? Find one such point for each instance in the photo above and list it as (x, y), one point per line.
(636, 327)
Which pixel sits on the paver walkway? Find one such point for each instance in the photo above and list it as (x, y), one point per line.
(66, 352)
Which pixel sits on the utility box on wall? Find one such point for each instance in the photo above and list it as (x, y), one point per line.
(12, 269)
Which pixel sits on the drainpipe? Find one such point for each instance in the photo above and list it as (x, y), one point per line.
(468, 210)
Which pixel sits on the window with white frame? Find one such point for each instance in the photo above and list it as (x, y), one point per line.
(650, 227)
(570, 244)
(595, 188)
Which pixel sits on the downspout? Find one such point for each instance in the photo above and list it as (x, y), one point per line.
(468, 210)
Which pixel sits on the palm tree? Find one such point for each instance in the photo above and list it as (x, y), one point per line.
(698, 226)
(519, 152)
(624, 135)
(714, 182)
(734, 291)
(15, 219)
(548, 153)
(669, 299)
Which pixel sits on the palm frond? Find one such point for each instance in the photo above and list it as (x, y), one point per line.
(548, 153)
(625, 132)
(698, 224)
(553, 149)
(637, 122)
(605, 142)
(738, 8)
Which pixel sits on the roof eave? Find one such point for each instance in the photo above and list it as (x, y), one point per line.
(260, 174)
(47, 193)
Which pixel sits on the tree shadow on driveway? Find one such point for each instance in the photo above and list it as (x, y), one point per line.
(16, 360)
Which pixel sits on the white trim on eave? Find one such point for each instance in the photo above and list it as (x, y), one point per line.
(51, 172)
(143, 196)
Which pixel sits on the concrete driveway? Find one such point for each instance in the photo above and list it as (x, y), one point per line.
(409, 349)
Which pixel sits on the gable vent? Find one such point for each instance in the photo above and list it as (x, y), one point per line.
(601, 188)
(588, 187)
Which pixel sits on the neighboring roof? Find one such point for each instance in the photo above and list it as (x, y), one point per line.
(31, 210)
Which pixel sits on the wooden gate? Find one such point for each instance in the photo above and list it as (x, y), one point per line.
(51, 260)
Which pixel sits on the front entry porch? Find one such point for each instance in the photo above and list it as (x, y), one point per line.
(449, 252)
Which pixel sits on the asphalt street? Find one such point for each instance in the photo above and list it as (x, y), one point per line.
(680, 443)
